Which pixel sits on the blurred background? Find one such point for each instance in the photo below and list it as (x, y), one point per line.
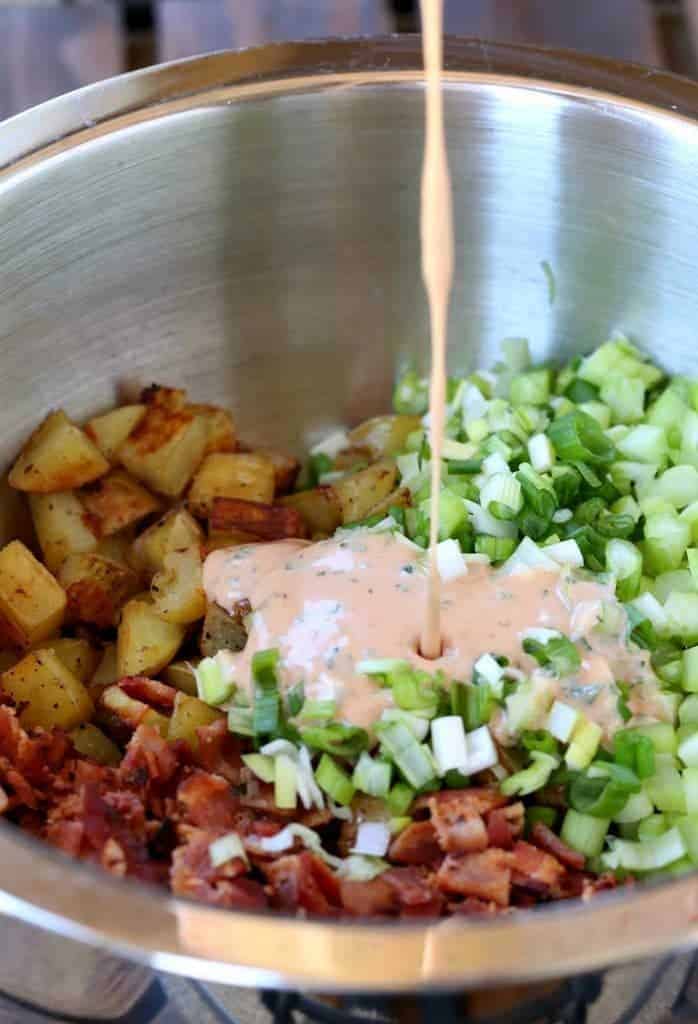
(51, 46)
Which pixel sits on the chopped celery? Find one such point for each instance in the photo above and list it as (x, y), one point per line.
(334, 781)
(665, 788)
(682, 616)
(399, 799)
(645, 856)
(530, 779)
(585, 742)
(285, 782)
(677, 485)
(637, 807)
(652, 826)
(413, 759)
(598, 411)
(261, 765)
(625, 396)
(690, 789)
(644, 444)
(372, 776)
(688, 751)
(690, 670)
(525, 705)
(688, 711)
(584, 833)
(661, 734)
(666, 540)
(624, 561)
(411, 395)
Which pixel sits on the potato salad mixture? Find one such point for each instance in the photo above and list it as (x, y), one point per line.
(209, 654)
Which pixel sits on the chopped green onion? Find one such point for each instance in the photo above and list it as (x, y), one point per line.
(578, 437)
(637, 807)
(558, 654)
(319, 711)
(449, 743)
(212, 687)
(294, 699)
(285, 782)
(530, 779)
(399, 799)
(545, 815)
(562, 721)
(584, 833)
(372, 776)
(240, 721)
(265, 714)
(413, 690)
(539, 739)
(337, 739)
(634, 750)
(334, 781)
(261, 765)
(585, 742)
(411, 395)
(645, 856)
(665, 788)
(414, 760)
(624, 561)
(416, 723)
(603, 792)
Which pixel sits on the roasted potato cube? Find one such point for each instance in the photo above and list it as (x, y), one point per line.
(231, 475)
(91, 742)
(352, 458)
(362, 491)
(62, 525)
(96, 588)
(32, 603)
(106, 672)
(145, 642)
(7, 660)
(78, 656)
(177, 591)
(180, 675)
(221, 435)
(221, 632)
(286, 469)
(384, 435)
(228, 539)
(117, 548)
(57, 457)
(267, 522)
(117, 501)
(132, 712)
(47, 693)
(320, 509)
(399, 498)
(111, 430)
(167, 446)
(190, 714)
(176, 530)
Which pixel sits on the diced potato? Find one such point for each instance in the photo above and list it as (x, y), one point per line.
(91, 742)
(320, 509)
(106, 672)
(221, 435)
(32, 603)
(352, 458)
(145, 642)
(57, 457)
(384, 435)
(399, 498)
(264, 522)
(177, 591)
(7, 660)
(190, 714)
(96, 588)
(362, 491)
(180, 675)
(111, 430)
(286, 469)
(231, 475)
(117, 501)
(221, 632)
(48, 693)
(117, 548)
(178, 529)
(62, 526)
(228, 539)
(132, 712)
(167, 446)
(78, 655)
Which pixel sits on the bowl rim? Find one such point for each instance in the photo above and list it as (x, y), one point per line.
(79, 901)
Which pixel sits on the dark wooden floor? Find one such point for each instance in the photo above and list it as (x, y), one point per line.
(51, 47)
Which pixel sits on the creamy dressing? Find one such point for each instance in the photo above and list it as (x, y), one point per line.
(437, 271)
(329, 606)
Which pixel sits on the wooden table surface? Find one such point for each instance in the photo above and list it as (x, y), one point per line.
(51, 47)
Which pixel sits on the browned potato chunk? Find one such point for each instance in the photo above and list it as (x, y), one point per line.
(96, 588)
(231, 475)
(57, 457)
(190, 714)
(267, 522)
(180, 675)
(177, 591)
(106, 672)
(228, 539)
(78, 656)
(176, 530)
(286, 469)
(360, 492)
(145, 642)
(319, 508)
(47, 693)
(399, 498)
(91, 742)
(7, 660)
(220, 428)
(221, 632)
(117, 501)
(384, 435)
(117, 548)
(132, 712)
(32, 604)
(167, 446)
(352, 458)
(111, 430)
(62, 526)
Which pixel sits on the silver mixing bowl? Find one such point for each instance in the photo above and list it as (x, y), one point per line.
(246, 225)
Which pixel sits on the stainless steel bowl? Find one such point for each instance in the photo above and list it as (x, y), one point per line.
(247, 225)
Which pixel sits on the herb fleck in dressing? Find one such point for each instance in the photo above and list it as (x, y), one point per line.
(330, 605)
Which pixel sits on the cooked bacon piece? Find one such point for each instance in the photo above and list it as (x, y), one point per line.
(415, 890)
(474, 908)
(417, 844)
(544, 837)
(534, 869)
(207, 801)
(148, 758)
(602, 883)
(150, 691)
(459, 826)
(485, 876)
(268, 522)
(219, 751)
(475, 800)
(369, 899)
(193, 875)
(504, 825)
(302, 880)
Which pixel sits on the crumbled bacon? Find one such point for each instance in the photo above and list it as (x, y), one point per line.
(375, 898)
(535, 869)
(546, 839)
(485, 876)
(219, 751)
(504, 825)
(148, 758)
(193, 875)
(417, 844)
(150, 691)
(415, 890)
(302, 880)
(207, 801)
